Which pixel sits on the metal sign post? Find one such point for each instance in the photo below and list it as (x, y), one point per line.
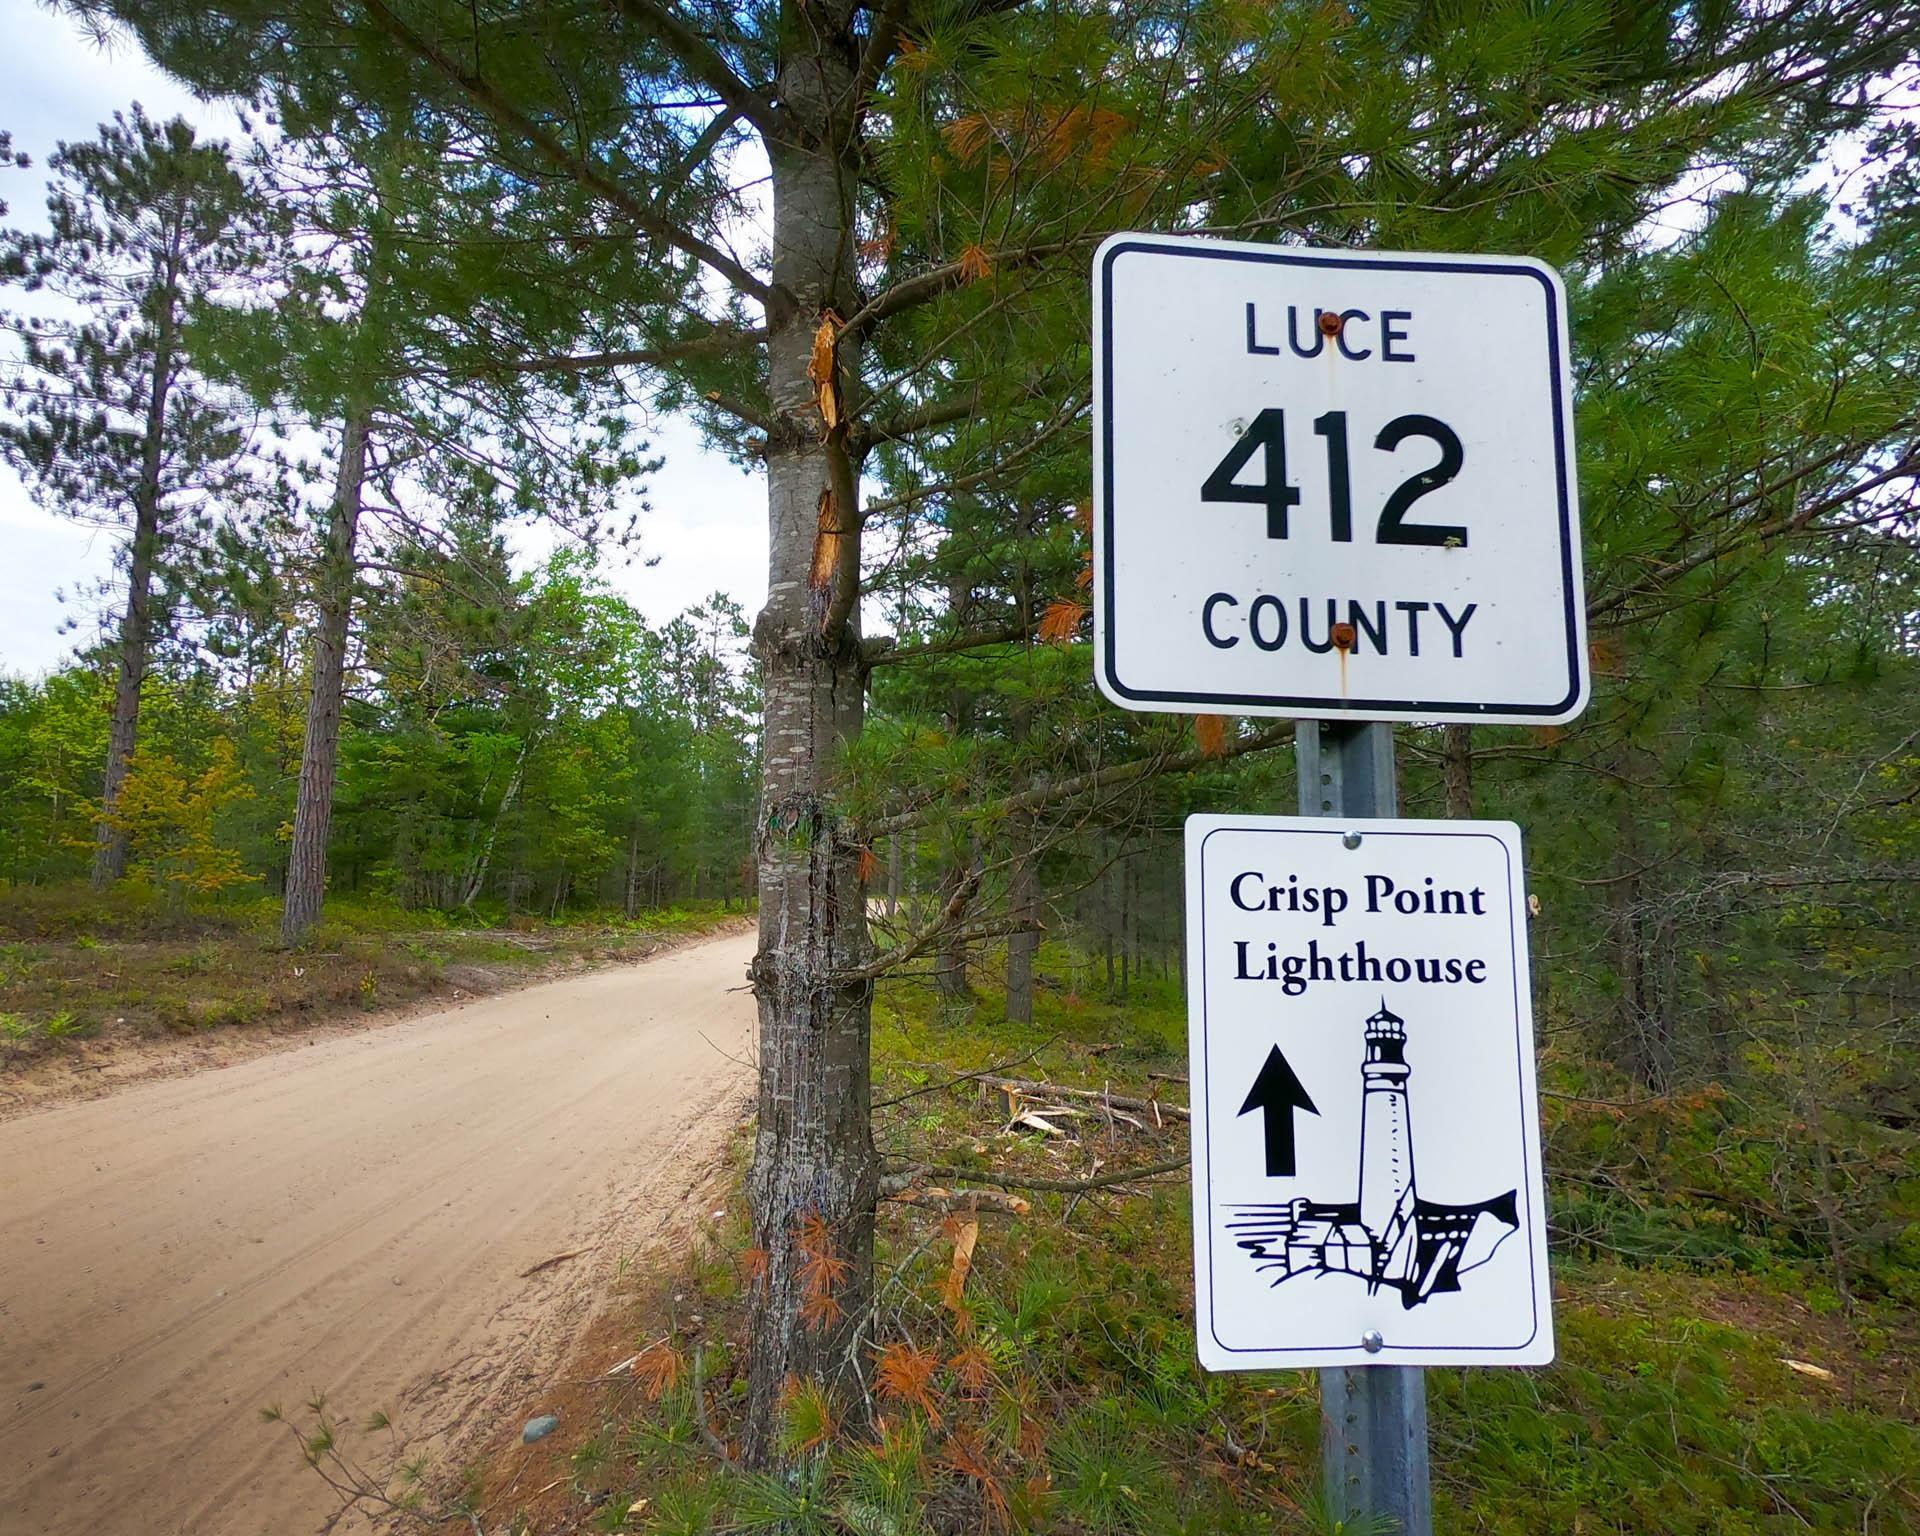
(1338, 486)
(1373, 1418)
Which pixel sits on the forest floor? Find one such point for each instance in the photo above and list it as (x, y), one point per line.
(1033, 1357)
(100, 991)
(408, 1227)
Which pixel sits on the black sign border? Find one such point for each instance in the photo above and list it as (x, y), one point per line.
(1523, 1048)
(1306, 706)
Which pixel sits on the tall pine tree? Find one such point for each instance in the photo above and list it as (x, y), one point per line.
(105, 422)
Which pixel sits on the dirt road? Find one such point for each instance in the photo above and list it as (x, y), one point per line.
(352, 1217)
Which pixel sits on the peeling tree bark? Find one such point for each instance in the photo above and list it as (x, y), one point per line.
(815, 1176)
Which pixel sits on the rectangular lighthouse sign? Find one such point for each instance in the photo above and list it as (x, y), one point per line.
(1366, 1137)
(1334, 483)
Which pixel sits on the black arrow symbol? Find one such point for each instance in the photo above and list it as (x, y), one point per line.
(1279, 1092)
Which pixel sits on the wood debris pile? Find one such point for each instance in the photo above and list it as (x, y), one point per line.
(1133, 1139)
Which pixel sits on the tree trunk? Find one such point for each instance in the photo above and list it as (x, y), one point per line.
(320, 758)
(1108, 916)
(1130, 895)
(950, 964)
(1633, 1046)
(1179, 941)
(814, 1179)
(1456, 758)
(1023, 902)
(477, 877)
(136, 624)
(1023, 859)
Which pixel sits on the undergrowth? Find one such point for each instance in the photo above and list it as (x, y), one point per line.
(1032, 1368)
(75, 965)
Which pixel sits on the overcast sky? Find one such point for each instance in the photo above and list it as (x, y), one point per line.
(709, 520)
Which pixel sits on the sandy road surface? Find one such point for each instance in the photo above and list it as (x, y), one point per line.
(352, 1216)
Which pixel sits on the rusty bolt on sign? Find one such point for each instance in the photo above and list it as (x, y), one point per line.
(1344, 636)
(1330, 322)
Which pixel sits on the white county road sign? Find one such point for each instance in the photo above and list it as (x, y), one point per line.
(1366, 1138)
(1259, 481)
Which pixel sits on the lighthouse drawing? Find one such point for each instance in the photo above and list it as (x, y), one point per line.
(1389, 1235)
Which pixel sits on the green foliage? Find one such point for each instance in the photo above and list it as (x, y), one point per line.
(1670, 1423)
(1109, 1479)
(137, 961)
(145, 222)
(686, 1505)
(544, 750)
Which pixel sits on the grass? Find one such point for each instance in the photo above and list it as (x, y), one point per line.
(1705, 1387)
(127, 965)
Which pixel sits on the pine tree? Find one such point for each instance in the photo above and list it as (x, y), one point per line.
(937, 178)
(107, 424)
(385, 266)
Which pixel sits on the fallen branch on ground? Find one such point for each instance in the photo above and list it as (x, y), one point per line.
(900, 1188)
(558, 1258)
(966, 1077)
(1049, 1186)
(1097, 1095)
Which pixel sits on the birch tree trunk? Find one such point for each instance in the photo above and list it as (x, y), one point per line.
(476, 880)
(136, 624)
(320, 758)
(814, 1179)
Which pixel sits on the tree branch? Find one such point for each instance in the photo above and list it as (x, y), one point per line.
(591, 176)
(909, 422)
(1755, 533)
(1097, 1095)
(889, 655)
(704, 63)
(925, 939)
(697, 152)
(1045, 791)
(883, 37)
(716, 342)
(956, 274)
